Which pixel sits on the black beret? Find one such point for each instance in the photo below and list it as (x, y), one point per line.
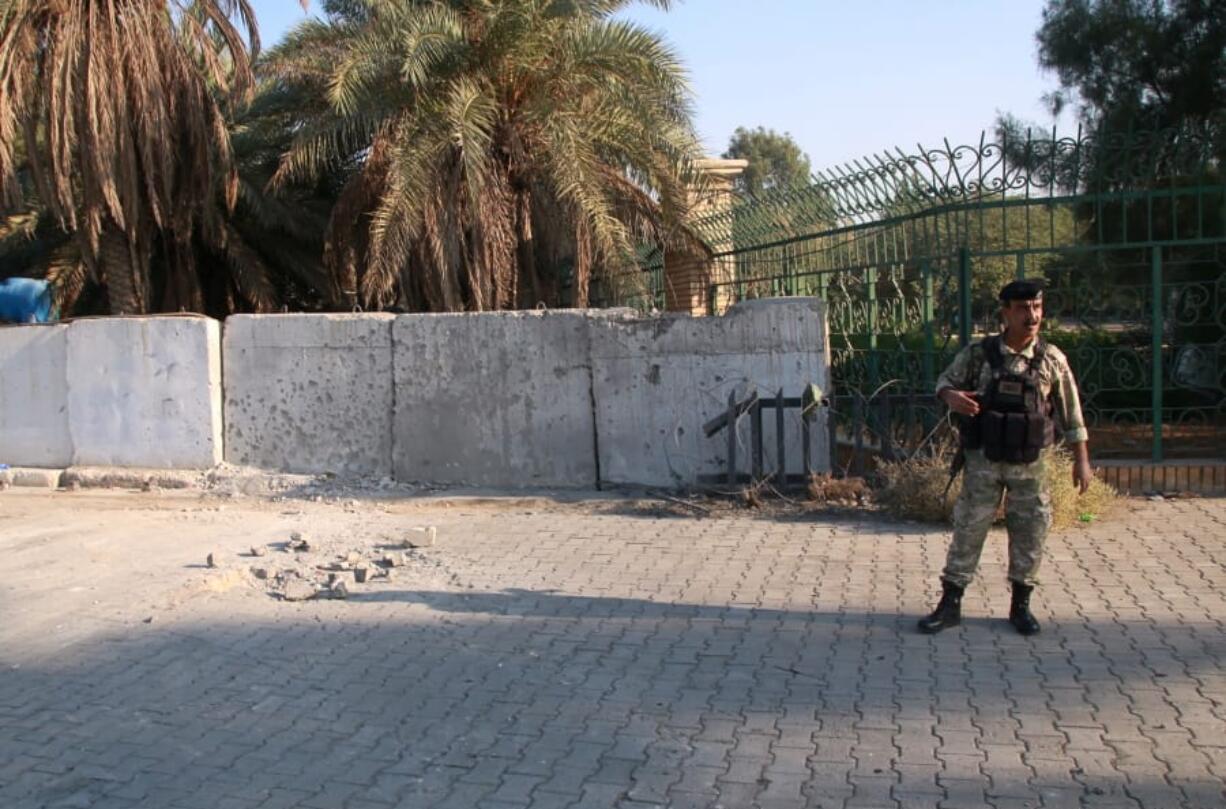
(1025, 290)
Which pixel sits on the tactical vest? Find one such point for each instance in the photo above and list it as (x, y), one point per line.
(1015, 419)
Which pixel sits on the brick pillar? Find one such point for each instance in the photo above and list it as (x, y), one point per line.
(688, 278)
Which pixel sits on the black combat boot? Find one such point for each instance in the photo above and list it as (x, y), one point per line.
(1019, 611)
(948, 612)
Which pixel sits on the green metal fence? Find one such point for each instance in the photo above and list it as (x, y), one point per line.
(910, 248)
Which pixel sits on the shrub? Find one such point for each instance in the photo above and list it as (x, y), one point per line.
(914, 489)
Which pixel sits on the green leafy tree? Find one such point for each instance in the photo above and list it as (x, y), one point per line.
(776, 161)
(112, 126)
(1132, 69)
(492, 153)
(1141, 64)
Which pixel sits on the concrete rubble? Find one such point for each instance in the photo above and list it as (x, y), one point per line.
(312, 568)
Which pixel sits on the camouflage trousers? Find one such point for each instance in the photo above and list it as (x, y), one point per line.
(1027, 517)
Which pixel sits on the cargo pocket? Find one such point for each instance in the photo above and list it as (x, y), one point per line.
(1036, 436)
(1015, 437)
(992, 435)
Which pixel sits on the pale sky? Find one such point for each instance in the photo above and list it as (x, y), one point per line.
(846, 78)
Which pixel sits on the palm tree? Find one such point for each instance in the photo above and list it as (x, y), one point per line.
(496, 153)
(113, 112)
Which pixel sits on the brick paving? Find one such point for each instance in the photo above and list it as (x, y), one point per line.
(622, 660)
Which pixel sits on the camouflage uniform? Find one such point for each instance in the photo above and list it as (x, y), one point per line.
(1028, 513)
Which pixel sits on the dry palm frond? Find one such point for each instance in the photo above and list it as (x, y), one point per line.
(119, 108)
(486, 145)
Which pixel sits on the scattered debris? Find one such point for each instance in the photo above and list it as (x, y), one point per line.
(260, 573)
(701, 509)
(211, 560)
(258, 550)
(298, 542)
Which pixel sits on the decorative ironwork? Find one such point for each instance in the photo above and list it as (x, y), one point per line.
(908, 249)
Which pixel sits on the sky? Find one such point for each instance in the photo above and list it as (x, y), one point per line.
(846, 78)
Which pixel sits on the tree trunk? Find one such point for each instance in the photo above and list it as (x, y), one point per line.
(525, 253)
(582, 277)
(119, 272)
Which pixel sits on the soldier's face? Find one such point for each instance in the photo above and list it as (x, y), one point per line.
(1024, 317)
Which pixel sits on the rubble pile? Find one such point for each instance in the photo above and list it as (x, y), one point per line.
(304, 568)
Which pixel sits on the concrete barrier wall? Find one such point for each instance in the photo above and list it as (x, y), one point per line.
(657, 380)
(310, 393)
(115, 391)
(34, 396)
(516, 399)
(499, 399)
(145, 392)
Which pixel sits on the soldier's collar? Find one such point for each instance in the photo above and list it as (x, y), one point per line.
(1027, 350)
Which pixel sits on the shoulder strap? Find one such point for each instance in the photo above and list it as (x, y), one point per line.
(974, 368)
(1040, 352)
(991, 350)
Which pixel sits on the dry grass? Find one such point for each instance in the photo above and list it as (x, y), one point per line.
(1069, 507)
(838, 491)
(915, 490)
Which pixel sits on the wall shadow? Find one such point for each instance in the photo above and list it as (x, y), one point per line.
(425, 698)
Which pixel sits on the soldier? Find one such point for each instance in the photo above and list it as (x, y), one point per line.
(1009, 390)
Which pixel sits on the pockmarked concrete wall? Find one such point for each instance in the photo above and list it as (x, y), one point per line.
(34, 396)
(310, 393)
(511, 400)
(114, 391)
(495, 399)
(145, 391)
(657, 380)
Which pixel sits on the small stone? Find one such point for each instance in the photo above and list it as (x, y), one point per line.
(421, 537)
(211, 560)
(1157, 498)
(338, 590)
(334, 579)
(147, 619)
(299, 542)
(352, 558)
(393, 559)
(259, 572)
(258, 550)
(361, 573)
(299, 591)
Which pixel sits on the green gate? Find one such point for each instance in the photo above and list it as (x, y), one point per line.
(910, 248)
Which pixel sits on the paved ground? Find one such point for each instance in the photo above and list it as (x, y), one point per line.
(554, 657)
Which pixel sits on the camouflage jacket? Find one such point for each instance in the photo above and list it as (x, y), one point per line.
(1055, 380)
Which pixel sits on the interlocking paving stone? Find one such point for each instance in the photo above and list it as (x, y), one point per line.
(627, 660)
